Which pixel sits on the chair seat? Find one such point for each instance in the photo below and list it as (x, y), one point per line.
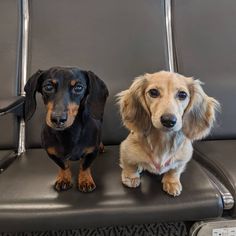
(6, 158)
(219, 157)
(29, 202)
(4, 154)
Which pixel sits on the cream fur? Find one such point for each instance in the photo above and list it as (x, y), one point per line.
(151, 146)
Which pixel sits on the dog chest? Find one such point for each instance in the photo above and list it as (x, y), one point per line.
(159, 167)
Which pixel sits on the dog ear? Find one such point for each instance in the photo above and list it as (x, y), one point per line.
(31, 87)
(97, 95)
(133, 109)
(199, 115)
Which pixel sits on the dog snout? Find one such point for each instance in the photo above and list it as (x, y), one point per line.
(59, 119)
(168, 120)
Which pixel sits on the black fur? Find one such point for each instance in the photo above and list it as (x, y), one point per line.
(85, 132)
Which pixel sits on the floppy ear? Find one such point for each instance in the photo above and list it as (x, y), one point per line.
(133, 109)
(97, 96)
(31, 87)
(199, 116)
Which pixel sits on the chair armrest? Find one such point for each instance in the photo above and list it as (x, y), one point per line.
(12, 105)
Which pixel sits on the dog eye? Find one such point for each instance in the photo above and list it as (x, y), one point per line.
(154, 93)
(182, 95)
(48, 88)
(78, 89)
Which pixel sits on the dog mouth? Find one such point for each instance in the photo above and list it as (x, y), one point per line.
(165, 129)
(168, 129)
(57, 127)
(175, 128)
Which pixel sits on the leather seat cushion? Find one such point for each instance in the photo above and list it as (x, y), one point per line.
(29, 202)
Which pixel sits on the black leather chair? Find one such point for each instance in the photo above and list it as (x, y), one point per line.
(205, 43)
(10, 102)
(118, 40)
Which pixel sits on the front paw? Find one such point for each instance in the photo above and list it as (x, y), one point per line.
(63, 181)
(86, 186)
(85, 181)
(130, 181)
(172, 186)
(62, 185)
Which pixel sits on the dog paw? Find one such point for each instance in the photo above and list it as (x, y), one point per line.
(86, 186)
(132, 182)
(62, 185)
(172, 188)
(85, 181)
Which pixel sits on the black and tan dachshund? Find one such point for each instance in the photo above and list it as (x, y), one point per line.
(75, 101)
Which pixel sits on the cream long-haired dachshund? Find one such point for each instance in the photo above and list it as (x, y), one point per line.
(165, 112)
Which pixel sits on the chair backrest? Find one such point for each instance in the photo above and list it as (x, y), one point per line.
(9, 52)
(205, 40)
(117, 40)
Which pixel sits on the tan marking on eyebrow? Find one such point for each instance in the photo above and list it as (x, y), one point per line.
(54, 81)
(73, 82)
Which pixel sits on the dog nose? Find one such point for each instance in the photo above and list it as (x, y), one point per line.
(168, 120)
(59, 119)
